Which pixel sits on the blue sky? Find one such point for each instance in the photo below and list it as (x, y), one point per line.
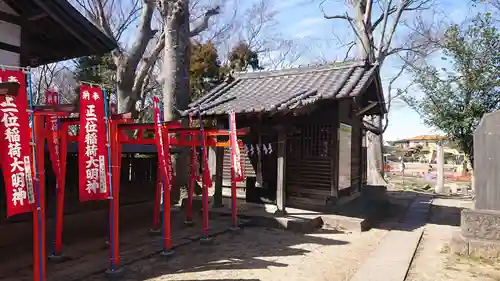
(303, 20)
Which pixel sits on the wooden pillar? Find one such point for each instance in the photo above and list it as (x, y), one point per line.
(259, 159)
(281, 174)
(334, 188)
(219, 171)
(219, 174)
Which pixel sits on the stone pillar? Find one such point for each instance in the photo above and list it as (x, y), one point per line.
(439, 188)
(480, 227)
(280, 181)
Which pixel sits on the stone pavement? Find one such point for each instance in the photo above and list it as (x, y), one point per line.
(392, 258)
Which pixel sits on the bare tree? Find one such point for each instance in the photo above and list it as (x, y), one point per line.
(418, 41)
(133, 63)
(55, 77)
(175, 68)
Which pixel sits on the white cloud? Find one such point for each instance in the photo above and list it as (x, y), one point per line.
(284, 5)
(310, 22)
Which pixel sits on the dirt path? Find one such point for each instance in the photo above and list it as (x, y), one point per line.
(262, 254)
(433, 262)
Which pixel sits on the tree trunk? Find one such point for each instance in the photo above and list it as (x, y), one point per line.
(176, 88)
(374, 154)
(126, 98)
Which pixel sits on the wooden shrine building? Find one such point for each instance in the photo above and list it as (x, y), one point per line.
(307, 130)
(37, 32)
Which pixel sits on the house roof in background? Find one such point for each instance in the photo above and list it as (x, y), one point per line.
(266, 91)
(421, 138)
(428, 137)
(56, 31)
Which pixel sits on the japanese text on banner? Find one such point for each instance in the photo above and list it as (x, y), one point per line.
(53, 136)
(164, 162)
(16, 156)
(92, 152)
(235, 149)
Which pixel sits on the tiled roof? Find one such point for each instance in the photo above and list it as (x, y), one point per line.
(287, 88)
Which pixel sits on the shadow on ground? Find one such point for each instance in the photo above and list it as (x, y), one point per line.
(398, 217)
(250, 248)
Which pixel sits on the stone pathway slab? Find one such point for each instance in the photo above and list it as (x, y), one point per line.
(392, 258)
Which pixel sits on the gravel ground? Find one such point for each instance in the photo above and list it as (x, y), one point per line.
(262, 254)
(433, 262)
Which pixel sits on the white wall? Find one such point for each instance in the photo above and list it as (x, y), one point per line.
(9, 34)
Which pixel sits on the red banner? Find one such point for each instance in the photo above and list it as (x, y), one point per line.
(53, 137)
(235, 149)
(92, 152)
(162, 159)
(206, 177)
(16, 156)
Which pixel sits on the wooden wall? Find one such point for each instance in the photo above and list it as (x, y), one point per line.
(347, 116)
(310, 158)
(311, 171)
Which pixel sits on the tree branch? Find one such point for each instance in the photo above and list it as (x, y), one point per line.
(145, 33)
(343, 17)
(392, 30)
(148, 63)
(203, 25)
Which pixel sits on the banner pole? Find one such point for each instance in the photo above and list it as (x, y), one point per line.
(111, 219)
(56, 255)
(204, 230)
(167, 250)
(232, 137)
(157, 212)
(192, 178)
(63, 148)
(157, 202)
(38, 242)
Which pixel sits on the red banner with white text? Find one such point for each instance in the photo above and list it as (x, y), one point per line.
(16, 156)
(92, 152)
(163, 161)
(235, 149)
(52, 126)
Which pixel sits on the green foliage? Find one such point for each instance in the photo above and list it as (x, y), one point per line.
(242, 56)
(205, 68)
(455, 100)
(206, 71)
(96, 69)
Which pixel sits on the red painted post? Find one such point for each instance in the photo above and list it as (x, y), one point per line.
(192, 180)
(233, 141)
(234, 209)
(61, 182)
(39, 253)
(167, 235)
(116, 160)
(204, 187)
(157, 202)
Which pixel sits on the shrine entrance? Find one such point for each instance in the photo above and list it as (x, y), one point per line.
(310, 165)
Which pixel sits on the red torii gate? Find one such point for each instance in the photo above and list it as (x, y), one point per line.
(189, 137)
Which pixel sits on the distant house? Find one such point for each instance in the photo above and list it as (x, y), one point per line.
(425, 147)
(424, 141)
